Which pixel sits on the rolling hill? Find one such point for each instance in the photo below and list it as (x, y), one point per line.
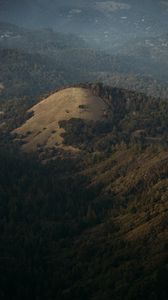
(43, 130)
(93, 115)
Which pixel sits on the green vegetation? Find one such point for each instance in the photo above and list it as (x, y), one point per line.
(91, 226)
(131, 117)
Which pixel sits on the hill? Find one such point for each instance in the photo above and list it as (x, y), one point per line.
(34, 63)
(100, 115)
(43, 130)
(93, 225)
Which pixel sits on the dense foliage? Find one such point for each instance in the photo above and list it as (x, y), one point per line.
(131, 117)
(92, 226)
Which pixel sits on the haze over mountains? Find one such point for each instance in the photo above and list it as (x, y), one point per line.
(104, 23)
(68, 59)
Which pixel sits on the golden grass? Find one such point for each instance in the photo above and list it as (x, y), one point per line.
(43, 126)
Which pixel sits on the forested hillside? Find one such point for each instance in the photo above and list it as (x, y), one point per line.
(84, 226)
(83, 150)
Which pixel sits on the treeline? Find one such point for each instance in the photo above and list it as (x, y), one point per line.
(131, 117)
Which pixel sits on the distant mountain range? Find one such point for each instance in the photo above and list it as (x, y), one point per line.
(102, 23)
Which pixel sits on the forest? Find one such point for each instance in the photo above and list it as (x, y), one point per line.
(74, 228)
(92, 224)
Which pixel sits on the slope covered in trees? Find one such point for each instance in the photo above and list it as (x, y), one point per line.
(91, 226)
